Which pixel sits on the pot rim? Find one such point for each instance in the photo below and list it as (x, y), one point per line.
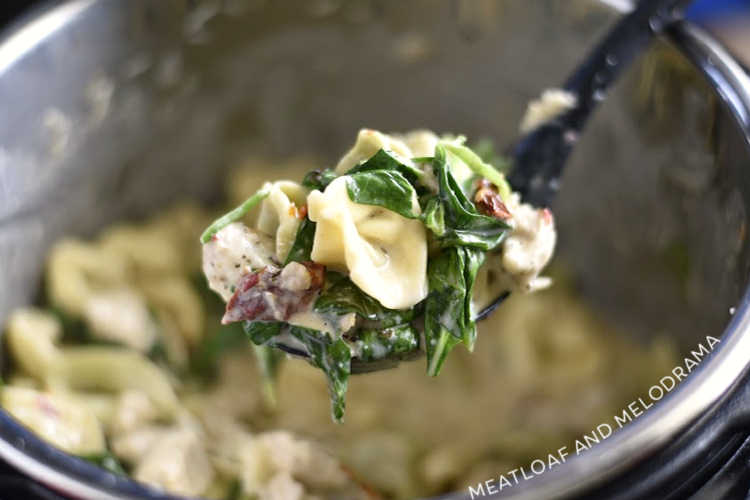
(703, 388)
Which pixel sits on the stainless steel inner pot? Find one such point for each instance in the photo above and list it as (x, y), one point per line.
(113, 108)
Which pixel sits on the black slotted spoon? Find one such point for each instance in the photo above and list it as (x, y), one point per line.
(540, 156)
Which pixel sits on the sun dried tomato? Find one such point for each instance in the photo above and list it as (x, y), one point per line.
(263, 295)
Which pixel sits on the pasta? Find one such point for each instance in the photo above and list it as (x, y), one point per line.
(115, 370)
(384, 253)
(136, 328)
(280, 217)
(31, 335)
(179, 400)
(368, 143)
(56, 418)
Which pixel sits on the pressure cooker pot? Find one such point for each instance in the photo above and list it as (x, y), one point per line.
(114, 109)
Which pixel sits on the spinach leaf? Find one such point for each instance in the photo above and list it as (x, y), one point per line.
(385, 188)
(473, 260)
(106, 460)
(235, 214)
(437, 349)
(303, 242)
(478, 166)
(462, 224)
(334, 358)
(448, 315)
(319, 179)
(388, 160)
(434, 215)
(234, 490)
(268, 360)
(158, 352)
(387, 342)
(74, 329)
(340, 296)
(260, 332)
(330, 355)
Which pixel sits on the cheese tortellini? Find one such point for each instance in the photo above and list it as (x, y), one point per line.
(279, 215)
(368, 143)
(32, 335)
(384, 252)
(57, 418)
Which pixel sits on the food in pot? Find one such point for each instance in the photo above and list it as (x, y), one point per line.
(125, 363)
(378, 257)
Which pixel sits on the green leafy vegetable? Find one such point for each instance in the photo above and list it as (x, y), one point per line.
(473, 260)
(158, 352)
(340, 296)
(74, 329)
(260, 332)
(434, 215)
(234, 491)
(268, 360)
(448, 316)
(235, 214)
(107, 461)
(462, 234)
(388, 160)
(334, 358)
(437, 349)
(303, 242)
(330, 355)
(385, 188)
(461, 223)
(319, 179)
(387, 342)
(478, 166)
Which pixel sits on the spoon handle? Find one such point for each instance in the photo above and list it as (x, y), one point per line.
(540, 155)
(616, 51)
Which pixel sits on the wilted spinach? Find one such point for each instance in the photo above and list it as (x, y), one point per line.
(334, 358)
(303, 242)
(461, 224)
(390, 342)
(330, 355)
(235, 214)
(340, 296)
(448, 316)
(433, 215)
(477, 165)
(107, 461)
(388, 160)
(385, 188)
(260, 332)
(319, 179)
